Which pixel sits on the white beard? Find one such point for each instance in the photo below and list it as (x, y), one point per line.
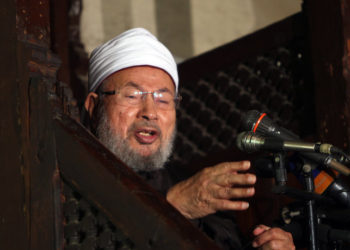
(121, 148)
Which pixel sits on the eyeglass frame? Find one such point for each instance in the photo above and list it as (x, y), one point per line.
(176, 99)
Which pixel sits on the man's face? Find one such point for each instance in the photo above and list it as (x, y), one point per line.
(145, 128)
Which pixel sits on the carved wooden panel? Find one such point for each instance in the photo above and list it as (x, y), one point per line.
(274, 80)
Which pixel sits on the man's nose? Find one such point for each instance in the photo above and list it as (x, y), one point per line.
(148, 109)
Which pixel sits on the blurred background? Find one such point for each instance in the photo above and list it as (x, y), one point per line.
(186, 27)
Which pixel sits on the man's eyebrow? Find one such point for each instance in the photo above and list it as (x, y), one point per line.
(132, 84)
(165, 90)
(135, 85)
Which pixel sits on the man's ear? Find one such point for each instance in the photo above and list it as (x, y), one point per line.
(91, 102)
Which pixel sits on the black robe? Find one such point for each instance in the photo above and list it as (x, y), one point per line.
(221, 226)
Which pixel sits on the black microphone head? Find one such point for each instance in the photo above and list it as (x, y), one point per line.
(259, 123)
(340, 192)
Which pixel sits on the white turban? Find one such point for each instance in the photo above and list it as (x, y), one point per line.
(135, 47)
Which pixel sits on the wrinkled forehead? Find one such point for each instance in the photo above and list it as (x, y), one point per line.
(143, 78)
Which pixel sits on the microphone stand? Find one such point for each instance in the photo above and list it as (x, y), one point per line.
(280, 169)
(309, 184)
(281, 188)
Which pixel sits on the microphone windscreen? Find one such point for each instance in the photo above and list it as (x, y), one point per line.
(259, 123)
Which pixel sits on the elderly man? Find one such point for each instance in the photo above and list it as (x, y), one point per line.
(133, 84)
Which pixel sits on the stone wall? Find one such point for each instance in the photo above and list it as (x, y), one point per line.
(187, 27)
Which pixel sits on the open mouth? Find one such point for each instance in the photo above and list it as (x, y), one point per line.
(146, 135)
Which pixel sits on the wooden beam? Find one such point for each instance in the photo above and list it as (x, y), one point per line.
(28, 170)
(13, 230)
(43, 181)
(329, 33)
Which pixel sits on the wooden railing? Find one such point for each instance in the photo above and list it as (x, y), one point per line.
(143, 216)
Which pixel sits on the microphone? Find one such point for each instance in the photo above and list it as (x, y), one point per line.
(251, 142)
(257, 122)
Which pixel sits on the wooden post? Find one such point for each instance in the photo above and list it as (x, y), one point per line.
(29, 178)
(329, 33)
(13, 228)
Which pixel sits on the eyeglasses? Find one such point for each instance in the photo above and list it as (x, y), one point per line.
(130, 96)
